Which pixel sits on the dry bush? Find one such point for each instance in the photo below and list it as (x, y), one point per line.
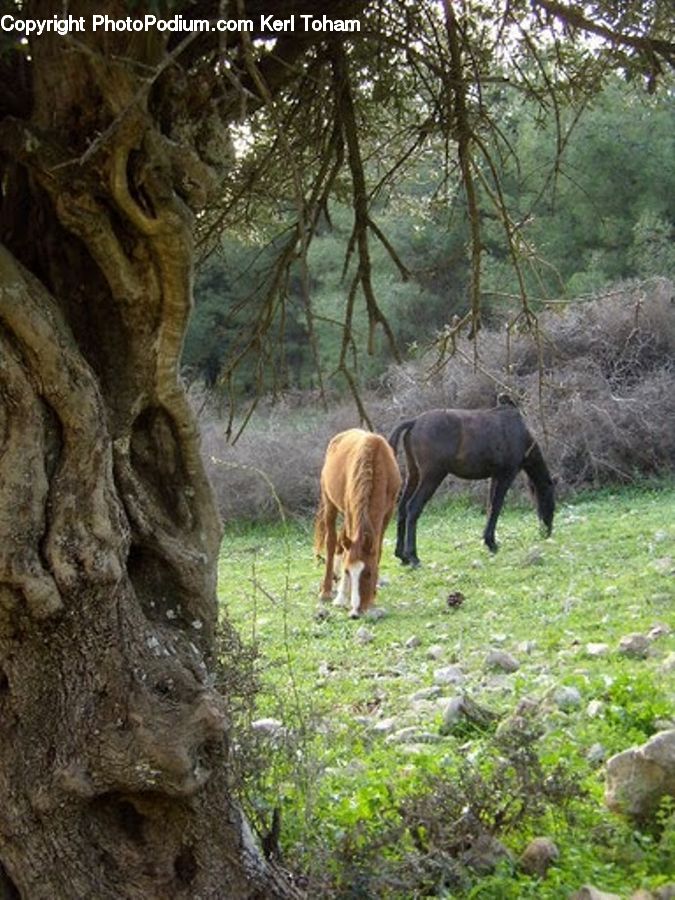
(275, 463)
(596, 383)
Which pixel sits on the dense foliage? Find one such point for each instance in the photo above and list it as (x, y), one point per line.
(591, 209)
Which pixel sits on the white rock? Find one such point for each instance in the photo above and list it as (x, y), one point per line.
(429, 693)
(567, 697)
(659, 629)
(384, 726)
(634, 645)
(639, 778)
(596, 753)
(499, 659)
(594, 708)
(449, 675)
(364, 635)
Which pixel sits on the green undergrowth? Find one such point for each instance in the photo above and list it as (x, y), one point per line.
(370, 810)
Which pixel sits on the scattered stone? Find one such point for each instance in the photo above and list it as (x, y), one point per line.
(523, 720)
(526, 647)
(596, 650)
(637, 779)
(596, 754)
(463, 710)
(642, 894)
(271, 729)
(485, 854)
(534, 558)
(435, 652)
(498, 638)
(665, 565)
(660, 629)
(669, 663)
(499, 659)
(567, 697)
(364, 636)
(429, 693)
(384, 726)
(538, 856)
(412, 642)
(665, 892)
(588, 892)
(375, 613)
(594, 708)
(634, 645)
(449, 675)
(413, 735)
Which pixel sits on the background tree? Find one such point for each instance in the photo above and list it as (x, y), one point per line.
(114, 741)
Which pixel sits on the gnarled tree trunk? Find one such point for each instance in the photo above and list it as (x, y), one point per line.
(113, 740)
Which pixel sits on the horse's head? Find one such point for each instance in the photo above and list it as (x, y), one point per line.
(545, 495)
(361, 562)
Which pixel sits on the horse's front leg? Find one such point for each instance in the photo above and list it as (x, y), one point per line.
(331, 544)
(498, 488)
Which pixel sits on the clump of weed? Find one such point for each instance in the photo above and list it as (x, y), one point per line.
(449, 833)
(634, 704)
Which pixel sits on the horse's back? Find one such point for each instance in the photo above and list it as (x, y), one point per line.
(470, 443)
(355, 455)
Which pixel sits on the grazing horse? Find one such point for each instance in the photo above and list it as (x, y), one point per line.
(360, 479)
(472, 444)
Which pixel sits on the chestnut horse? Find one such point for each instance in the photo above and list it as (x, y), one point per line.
(361, 480)
(473, 444)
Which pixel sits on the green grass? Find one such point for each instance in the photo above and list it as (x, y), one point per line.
(341, 783)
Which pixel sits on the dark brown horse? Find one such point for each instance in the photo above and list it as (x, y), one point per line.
(472, 444)
(360, 479)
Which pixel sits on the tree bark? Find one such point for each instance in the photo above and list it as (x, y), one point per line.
(113, 740)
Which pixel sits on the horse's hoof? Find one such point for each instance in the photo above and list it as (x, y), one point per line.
(354, 614)
(415, 564)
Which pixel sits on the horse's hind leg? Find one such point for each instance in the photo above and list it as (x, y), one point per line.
(498, 488)
(416, 504)
(330, 517)
(411, 483)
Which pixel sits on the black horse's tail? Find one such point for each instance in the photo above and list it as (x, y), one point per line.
(400, 429)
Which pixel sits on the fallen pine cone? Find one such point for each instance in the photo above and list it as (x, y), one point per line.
(455, 599)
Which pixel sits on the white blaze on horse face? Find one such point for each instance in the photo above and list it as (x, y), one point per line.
(355, 570)
(341, 596)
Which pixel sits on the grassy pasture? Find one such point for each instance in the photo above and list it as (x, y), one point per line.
(360, 743)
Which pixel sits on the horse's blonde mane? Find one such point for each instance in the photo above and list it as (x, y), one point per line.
(363, 484)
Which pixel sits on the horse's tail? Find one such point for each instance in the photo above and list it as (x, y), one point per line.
(400, 429)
